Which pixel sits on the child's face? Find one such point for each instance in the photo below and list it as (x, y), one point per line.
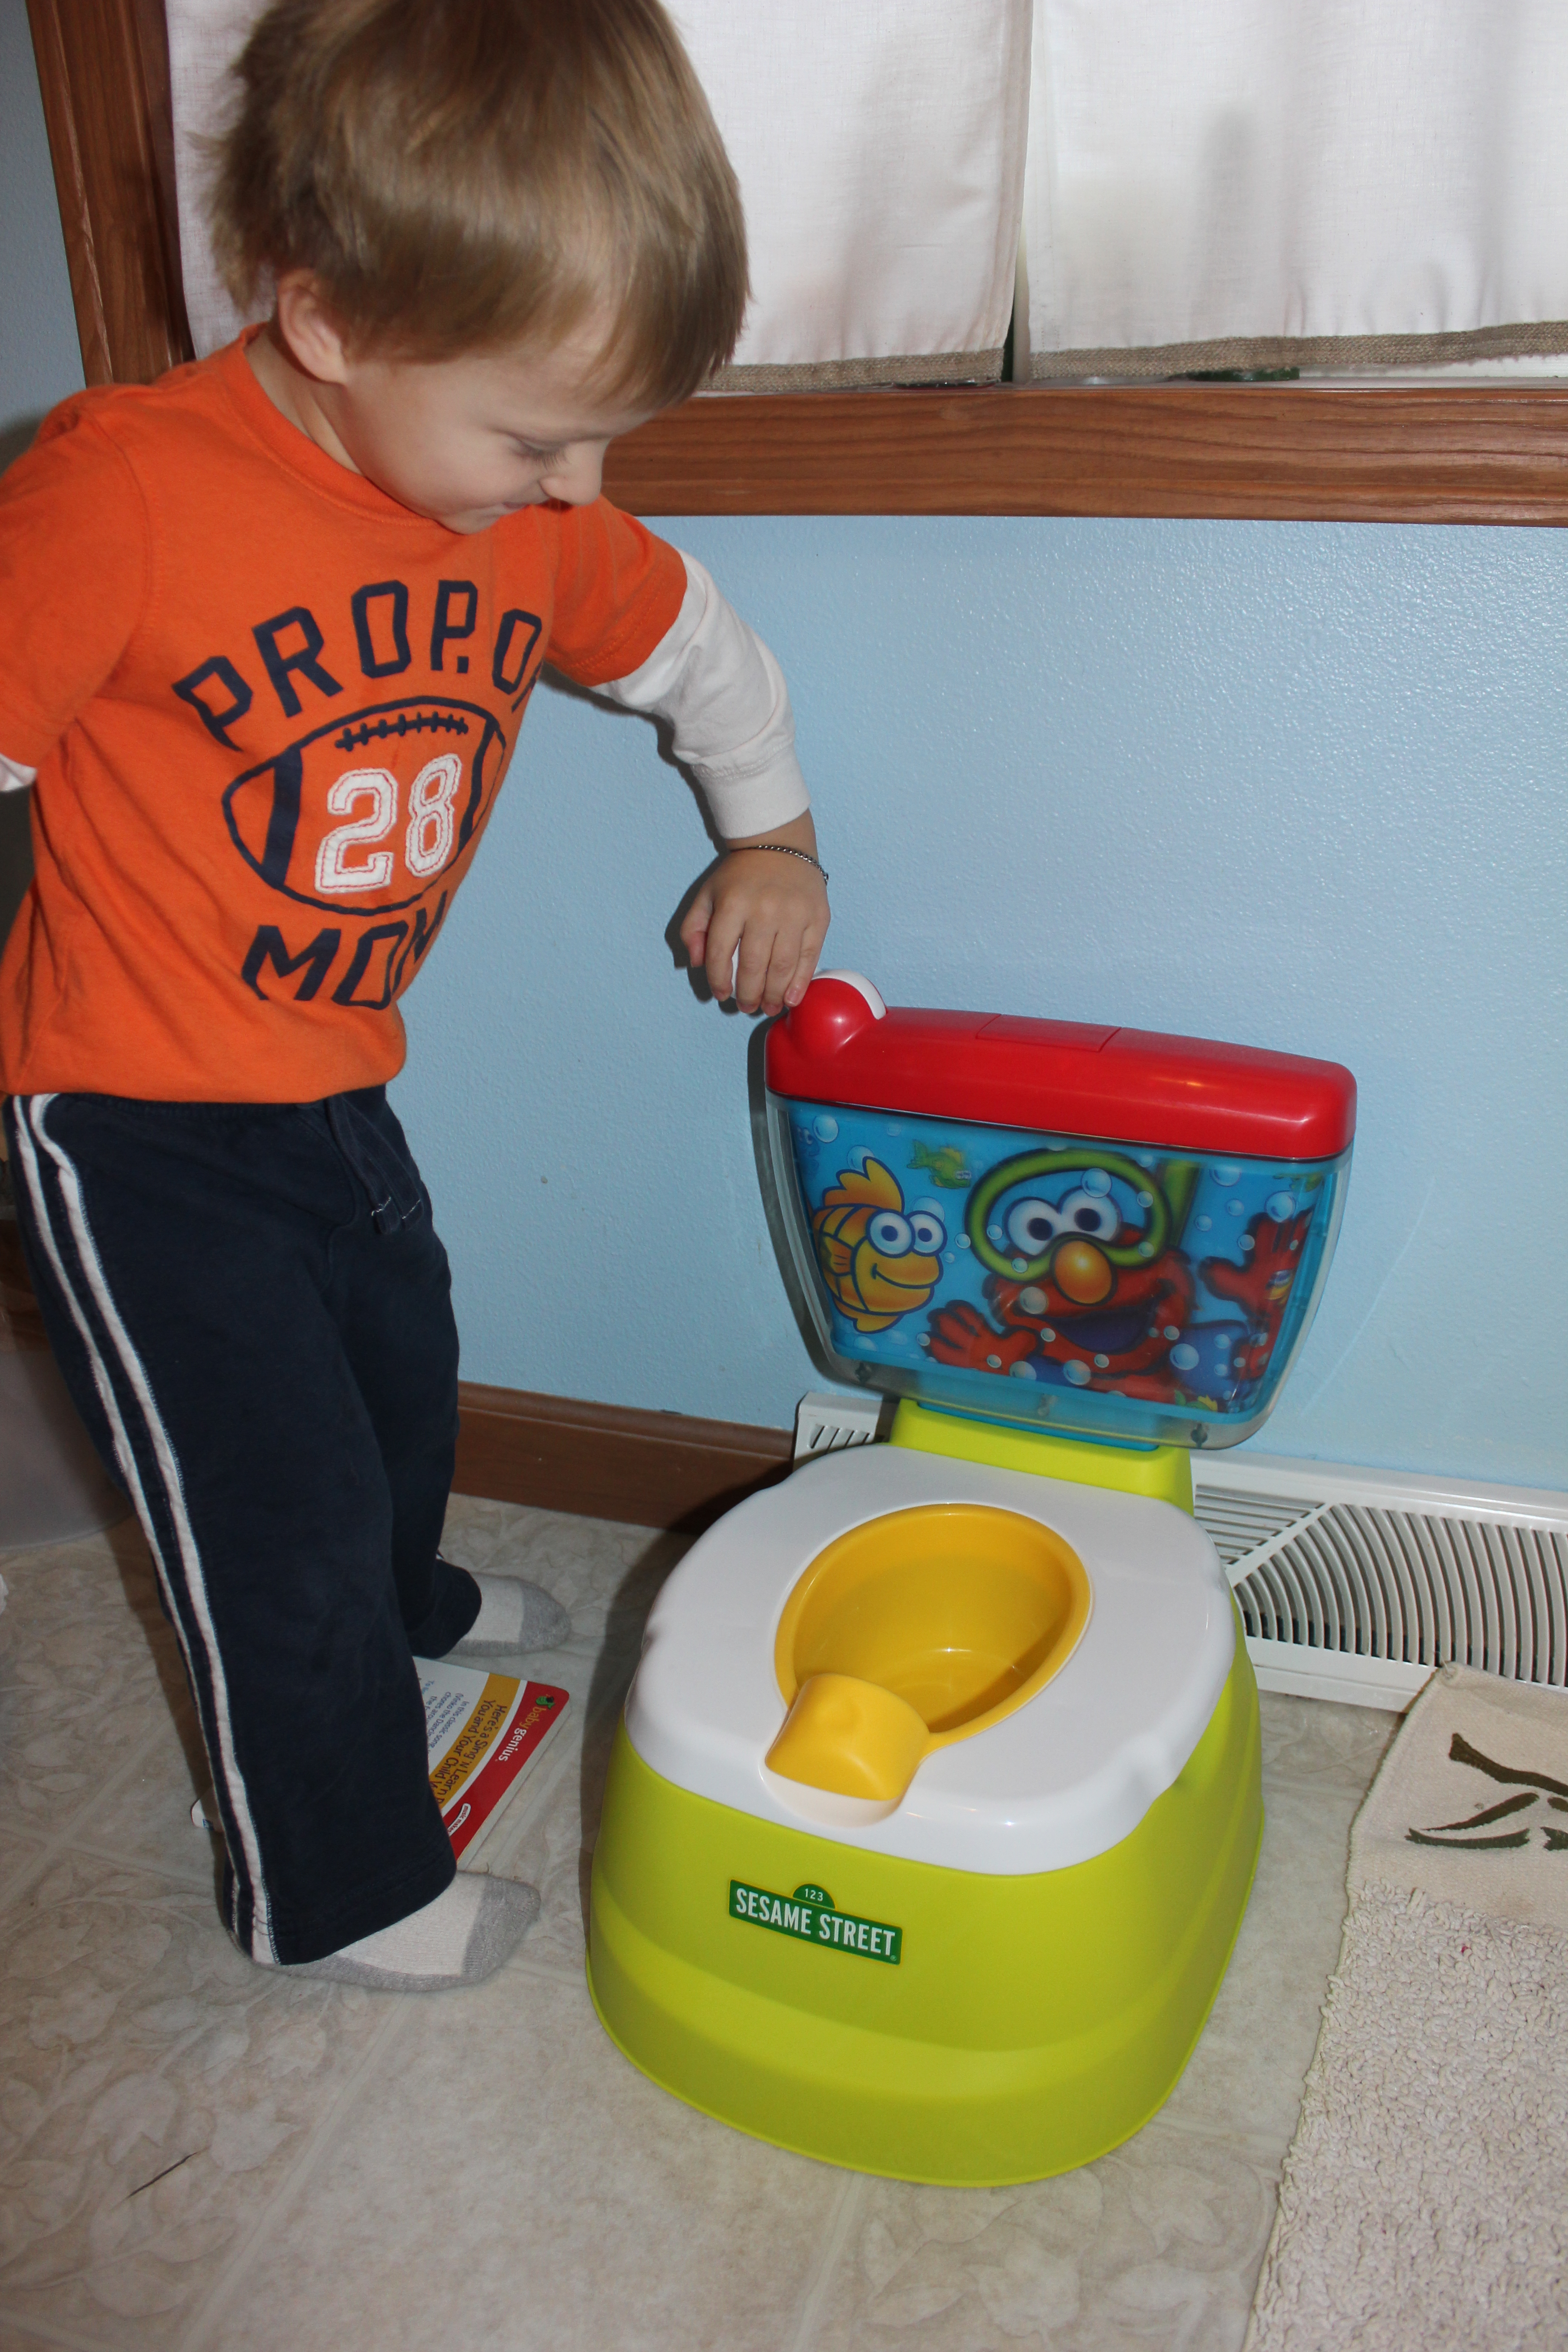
(466, 440)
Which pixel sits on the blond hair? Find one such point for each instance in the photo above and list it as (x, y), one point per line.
(460, 175)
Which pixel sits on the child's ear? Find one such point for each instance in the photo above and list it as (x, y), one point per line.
(310, 333)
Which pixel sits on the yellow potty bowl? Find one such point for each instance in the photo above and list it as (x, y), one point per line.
(784, 1930)
(915, 1629)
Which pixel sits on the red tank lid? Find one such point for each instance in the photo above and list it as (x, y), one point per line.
(843, 1044)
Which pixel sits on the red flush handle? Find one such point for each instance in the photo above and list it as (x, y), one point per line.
(837, 1005)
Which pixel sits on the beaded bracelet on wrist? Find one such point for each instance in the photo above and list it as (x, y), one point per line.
(784, 850)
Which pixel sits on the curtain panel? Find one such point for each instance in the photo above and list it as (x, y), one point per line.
(204, 38)
(1328, 184)
(1213, 184)
(879, 149)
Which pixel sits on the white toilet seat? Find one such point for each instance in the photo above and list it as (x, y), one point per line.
(1062, 1779)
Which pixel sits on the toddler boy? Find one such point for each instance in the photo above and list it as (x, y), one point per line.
(272, 626)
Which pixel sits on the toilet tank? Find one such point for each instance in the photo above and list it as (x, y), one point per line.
(1105, 1232)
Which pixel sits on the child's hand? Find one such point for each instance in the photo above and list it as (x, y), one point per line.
(758, 920)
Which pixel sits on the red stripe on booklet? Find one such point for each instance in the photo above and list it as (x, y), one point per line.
(539, 1708)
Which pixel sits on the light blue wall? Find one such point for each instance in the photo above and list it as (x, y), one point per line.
(1300, 786)
(40, 359)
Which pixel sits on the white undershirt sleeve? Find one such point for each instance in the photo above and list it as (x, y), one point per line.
(724, 696)
(14, 777)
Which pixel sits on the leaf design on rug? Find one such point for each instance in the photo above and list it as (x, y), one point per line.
(1533, 1787)
(1461, 1752)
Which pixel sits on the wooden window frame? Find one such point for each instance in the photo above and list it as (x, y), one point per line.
(1414, 453)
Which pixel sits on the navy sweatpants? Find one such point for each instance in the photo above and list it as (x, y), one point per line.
(252, 1313)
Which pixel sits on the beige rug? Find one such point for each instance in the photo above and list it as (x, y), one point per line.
(1424, 2197)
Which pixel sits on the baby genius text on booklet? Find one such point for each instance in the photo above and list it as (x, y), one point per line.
(482, 1729)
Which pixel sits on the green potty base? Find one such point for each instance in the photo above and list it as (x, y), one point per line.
(931, 2024)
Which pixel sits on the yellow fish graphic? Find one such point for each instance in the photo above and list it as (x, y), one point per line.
(877, 1261)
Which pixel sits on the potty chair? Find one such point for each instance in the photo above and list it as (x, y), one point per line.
(934, 1809)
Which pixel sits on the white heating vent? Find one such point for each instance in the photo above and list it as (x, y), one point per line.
(1356, 1584)
(826, 1418)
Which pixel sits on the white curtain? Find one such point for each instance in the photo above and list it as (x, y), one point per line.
(204, 38)
(1329, 181)
(1209, 183)
(879, 147)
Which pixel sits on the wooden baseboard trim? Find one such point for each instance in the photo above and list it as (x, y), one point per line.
(609, 1461)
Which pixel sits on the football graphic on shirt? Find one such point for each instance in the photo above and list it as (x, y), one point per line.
(362, 814)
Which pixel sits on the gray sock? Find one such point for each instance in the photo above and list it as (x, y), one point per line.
(459, 1940)
(513, 1616)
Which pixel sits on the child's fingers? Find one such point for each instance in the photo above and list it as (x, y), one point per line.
(775, 970)
(763, 938)
(754, 969)
(724, 933)
(694, 929)
(784, 978)
(805, 971)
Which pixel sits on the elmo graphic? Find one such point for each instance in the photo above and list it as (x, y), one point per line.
(1085, 1287)
(1262, 1287)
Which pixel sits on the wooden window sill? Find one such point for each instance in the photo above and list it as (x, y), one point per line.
(1288, 452)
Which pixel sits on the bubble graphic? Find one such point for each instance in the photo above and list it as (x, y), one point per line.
(1184, 1357)
(1095, 1180)
(1227, 1173)
(824, 1127)
(1280, 1205)
(1078, 1374)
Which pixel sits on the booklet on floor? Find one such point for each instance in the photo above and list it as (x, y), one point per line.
(481, 1730)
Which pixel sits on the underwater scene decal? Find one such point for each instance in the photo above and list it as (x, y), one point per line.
(1164, 1279)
